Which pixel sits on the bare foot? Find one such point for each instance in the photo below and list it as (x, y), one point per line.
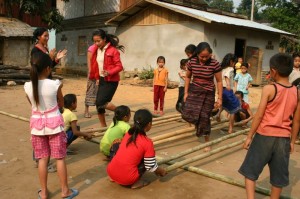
(207, 149)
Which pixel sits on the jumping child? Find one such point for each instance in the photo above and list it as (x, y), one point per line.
(181, 75)
(230, 102)
(243, 80)
(116, 130)
(244, 114)
(160, 83)
(135, 155)
(47, 126)
(70, 120)
(274, 129)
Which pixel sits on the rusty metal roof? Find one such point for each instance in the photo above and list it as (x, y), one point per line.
(11, 27)
(207, 17)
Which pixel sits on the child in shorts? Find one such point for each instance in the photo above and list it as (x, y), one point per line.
(275, 127)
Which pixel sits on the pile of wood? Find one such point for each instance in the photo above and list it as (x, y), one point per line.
(16, 74)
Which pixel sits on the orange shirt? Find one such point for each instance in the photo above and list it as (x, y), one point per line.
(277, 119)
(160, 76)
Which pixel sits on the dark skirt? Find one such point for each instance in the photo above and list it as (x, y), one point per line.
(106, 91)
(197, 109)
(91, 93)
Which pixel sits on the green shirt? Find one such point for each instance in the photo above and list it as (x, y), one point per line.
(112, 133)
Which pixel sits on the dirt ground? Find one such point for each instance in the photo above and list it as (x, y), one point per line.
(87, 170)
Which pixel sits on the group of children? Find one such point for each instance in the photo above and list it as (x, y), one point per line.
(131, 152)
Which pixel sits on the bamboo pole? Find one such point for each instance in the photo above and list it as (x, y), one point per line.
(167, 135)
(225, 179)
(204, 155)
(202, 146)
(166, 117)
(15, 116)
(187, 134)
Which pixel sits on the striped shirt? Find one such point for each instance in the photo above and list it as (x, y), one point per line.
(203, 74)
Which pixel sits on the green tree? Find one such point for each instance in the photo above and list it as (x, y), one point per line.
(224, 5)
(49, 15)
(245, 9)
(284, 15)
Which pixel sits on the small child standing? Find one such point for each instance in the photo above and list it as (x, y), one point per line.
(135, 155)
(242, 81)
(181, 75)
(160, 83)
(46, 123)
(245, 114)
(230, 102)
(116, 130)
(296, 70)
(238, 65)
(70, 120)
(275, 127)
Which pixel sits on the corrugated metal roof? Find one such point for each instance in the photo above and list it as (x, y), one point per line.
(11, 27)
(198, 14)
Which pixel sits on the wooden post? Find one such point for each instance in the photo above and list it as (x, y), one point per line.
(202, 146)
(204, 155)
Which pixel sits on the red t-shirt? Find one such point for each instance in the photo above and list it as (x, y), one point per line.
(245, 105)
(123, 168)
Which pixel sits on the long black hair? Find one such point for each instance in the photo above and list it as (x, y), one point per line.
(112, 39)
(39, 62)
(190, 49)
(120, 113)
(37, 33)
(229, 57)
(142, 118)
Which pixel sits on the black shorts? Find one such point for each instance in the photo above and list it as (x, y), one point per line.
(106, 91)
(274, 151)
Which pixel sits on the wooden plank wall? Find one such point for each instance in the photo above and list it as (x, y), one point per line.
(126, 3)
(155, 15)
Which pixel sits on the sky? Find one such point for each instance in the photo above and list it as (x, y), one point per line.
(236, 3)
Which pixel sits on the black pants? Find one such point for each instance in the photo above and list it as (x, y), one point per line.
(179, 102)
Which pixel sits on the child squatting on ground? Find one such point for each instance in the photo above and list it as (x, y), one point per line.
(46, 123)
(135, 154)
(116, 131)
(70, 120)
(275, 127)
(244, 114)
(160, 83)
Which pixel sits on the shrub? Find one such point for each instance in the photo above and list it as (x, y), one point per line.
(147, 73)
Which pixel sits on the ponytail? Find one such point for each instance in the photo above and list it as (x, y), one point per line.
(141, 119)
(39, 62)
(34, 77)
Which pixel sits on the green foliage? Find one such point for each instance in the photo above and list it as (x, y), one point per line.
(147, 73)
(51, 15)
(245, 9)
(284, 15)
(224, 5)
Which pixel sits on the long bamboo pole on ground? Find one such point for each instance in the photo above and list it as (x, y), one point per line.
(204, 155)
(187, 133)
(224, 178)
(186, 130)
(202, 146)
(15, 116)
(166, 117)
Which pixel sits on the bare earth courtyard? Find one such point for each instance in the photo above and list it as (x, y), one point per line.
(87, 170)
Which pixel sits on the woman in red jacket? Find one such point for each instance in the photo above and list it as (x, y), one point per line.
(105, 68)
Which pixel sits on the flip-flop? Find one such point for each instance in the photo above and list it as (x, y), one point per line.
(75, 192)
(140, 185)
(39, 191)
(87, 115)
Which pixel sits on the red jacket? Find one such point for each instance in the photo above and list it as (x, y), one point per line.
(112, 63)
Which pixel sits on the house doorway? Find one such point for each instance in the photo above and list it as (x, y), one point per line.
(239, 49)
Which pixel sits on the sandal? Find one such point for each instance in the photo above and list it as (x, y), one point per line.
(51, 168)
(139, 184)
(74, 193)
(39, 196)
(87, 115)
